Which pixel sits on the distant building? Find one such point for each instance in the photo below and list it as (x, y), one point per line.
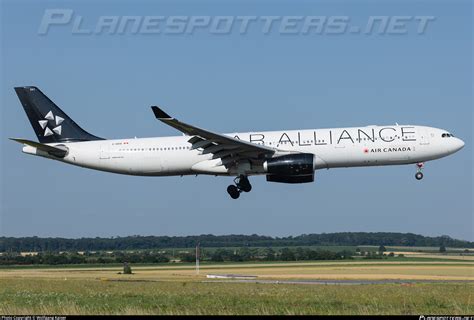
(26, 254)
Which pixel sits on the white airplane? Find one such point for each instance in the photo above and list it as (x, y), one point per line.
(282, 156)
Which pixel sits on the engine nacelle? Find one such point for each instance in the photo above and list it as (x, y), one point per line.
(291, 168)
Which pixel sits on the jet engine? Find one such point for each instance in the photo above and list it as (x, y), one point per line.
(291, 168)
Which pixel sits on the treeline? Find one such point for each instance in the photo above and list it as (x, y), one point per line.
(68, 258)
(36, 244)
(165, 256)
(269, 254)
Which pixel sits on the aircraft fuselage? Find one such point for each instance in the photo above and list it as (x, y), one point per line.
(333, 148)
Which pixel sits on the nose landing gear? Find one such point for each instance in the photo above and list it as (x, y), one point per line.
(242, 184)
(419, 174)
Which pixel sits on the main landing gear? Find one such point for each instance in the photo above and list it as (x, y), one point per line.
(242, 184)
(419, 174)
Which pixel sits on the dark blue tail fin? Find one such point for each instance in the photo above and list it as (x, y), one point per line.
(50, 123)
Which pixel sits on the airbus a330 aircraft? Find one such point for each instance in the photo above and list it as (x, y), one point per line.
(282, 156)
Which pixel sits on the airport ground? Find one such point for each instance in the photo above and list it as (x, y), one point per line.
(420, 284)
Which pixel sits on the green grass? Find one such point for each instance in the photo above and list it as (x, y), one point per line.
(31, 296)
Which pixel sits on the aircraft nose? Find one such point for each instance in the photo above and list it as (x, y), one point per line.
(458, 144)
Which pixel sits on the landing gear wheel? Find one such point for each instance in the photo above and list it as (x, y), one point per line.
(233, 191)
(242, 184)
(419, 175)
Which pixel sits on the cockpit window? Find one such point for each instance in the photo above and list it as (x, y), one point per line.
(447, 135)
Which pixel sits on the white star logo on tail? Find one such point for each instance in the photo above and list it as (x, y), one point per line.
(44, 124)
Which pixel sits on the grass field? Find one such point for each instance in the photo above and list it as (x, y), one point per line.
(178, 290)
(42, 296)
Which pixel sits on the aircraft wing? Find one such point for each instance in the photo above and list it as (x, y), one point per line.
(229, 150)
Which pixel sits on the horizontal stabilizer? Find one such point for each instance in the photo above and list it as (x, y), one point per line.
(57, 151)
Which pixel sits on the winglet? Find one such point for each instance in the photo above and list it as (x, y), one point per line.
(160, 114)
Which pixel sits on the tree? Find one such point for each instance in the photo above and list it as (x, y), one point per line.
(382, 249)
(269, 254)
(442, 249)
(287, 255)
(127, 269)
(35, 244)
(187, 257)
(300, 254)
(217, 256)
(245, 254)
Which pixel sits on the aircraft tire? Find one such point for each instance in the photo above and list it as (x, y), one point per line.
(233, 191)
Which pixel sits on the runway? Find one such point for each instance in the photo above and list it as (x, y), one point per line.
(340, 282)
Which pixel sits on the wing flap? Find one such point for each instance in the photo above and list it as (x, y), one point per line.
(219, 147)
(202, 144)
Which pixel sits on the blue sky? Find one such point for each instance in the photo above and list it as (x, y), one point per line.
(238, 82)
